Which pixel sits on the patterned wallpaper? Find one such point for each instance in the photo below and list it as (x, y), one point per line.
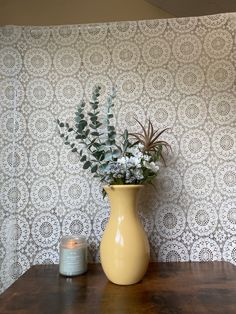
(179, 72)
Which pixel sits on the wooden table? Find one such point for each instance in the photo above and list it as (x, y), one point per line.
(168, 288)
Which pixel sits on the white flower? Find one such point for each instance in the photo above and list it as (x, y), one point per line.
(122, 160)
(135, 161)
(152, 166)
(140, 146)
(134, 151)
(138, 174)
(146, 157)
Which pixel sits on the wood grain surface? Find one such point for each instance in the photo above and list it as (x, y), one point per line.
(167, 288)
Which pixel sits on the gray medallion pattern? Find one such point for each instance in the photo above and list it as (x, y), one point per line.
(13, 158)
(190, 79)
(195, 145)
(43, 158)
(45, 230)
(227, 215)
(41, 125)
(37, 62)
(156, 52)
(14, 195)
(13, 125)
(9, 34)
(11, 93)
(75, 191)
(198, 181)
(76, 222)
(205, 250)
(159, 83)
(10, 61)
(123, 31)
(47, 256)
(173, 251)
(44, 193)
(126, 55)
(220, 75)
(202, 218)
(36, 36)
(15, 231)
(39, 93)
(67, 61)
(192, 111)
(170, 221)
(222, 108)
(187, 48)
(180, 73)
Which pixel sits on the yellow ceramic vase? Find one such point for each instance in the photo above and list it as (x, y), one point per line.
(124, 248)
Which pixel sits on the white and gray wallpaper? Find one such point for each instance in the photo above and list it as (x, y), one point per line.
(178, 72)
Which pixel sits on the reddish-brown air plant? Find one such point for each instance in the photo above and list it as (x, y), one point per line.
(149, 138)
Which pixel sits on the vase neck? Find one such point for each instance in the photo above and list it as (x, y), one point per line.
(123, 198)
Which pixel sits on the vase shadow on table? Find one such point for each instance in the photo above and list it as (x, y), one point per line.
(132, 299)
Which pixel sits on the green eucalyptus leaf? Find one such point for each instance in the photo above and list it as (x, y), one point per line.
(82, 105)
(78, 112)
(98, 124)
(94, 169)
(111, 128)
(98, 155)
(112, 135)
(92, 126)
(87, 132)
(94, 133)
(81, 126)
(96, 145)
(108, 156)
(94, 106)
(126, 134)
(83, 158)
(87, 164)
(94, 119)
(103, 167)
(116, 153)
(104, 193)
(83, 122)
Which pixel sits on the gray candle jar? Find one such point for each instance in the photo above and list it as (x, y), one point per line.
(73, 255)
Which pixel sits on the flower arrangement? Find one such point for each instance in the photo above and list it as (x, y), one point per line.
(129, 158)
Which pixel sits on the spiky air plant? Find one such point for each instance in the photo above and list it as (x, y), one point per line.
(150, 141)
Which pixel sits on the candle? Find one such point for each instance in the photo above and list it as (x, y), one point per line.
(73, 255)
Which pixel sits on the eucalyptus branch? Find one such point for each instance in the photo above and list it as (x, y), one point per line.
(132, 160)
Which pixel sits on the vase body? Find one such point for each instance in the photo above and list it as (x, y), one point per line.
(124, 248)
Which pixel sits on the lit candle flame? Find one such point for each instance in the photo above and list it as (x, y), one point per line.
(71, 244)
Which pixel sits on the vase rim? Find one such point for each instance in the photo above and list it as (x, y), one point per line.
(123, 186)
